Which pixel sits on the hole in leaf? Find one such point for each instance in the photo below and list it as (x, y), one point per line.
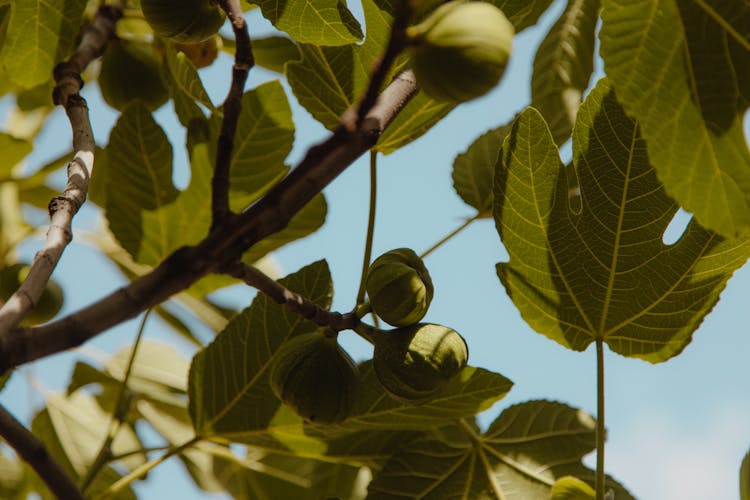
(676, 227)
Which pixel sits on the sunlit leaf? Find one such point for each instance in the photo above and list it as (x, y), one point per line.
(572, 488)
(680, 68)
(520, 456)
(40, 35)
(474, 169)
(598, 268)
(322, 22)
(563, 65)
(228, 384)
(185, 87)
(13, 478)
(12, 151)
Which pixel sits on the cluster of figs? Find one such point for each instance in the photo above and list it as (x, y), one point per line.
(316, 377)
(458, 51)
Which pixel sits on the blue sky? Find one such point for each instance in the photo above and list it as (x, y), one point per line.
(677, 430)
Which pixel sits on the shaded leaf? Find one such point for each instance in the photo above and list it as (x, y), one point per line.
(474, 169)
(228, 384)
(520, 457)
(602, 271)
(263, 475)
(682, 69)
(274, 52)
(13, 478)
(522, 13)
(12, 151)
(563, 65)
(57, 440)
(322, 22)
(40, 35)
(147, 214)
(185, 87)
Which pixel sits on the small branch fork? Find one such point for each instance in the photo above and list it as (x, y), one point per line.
(243, 62)
(63, 208)
(294, 301)
(35, 454)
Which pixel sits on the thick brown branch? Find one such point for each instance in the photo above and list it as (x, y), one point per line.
(243, 61)
(225, 244)
(63, 208)
(294, 301)
(36, 455)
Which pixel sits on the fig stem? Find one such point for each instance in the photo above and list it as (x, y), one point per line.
(243, 62)
(600, 429)
(118, 415)
(370, 226)
(466, 223)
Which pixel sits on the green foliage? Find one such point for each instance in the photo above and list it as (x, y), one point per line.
(587, 258)
(680, 68)
(562, 66)
(520, 456)
(589, 263)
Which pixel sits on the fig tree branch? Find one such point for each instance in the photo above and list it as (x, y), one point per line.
(36, 455)
(229, 240)
(63, 208)
(294, 301)
(243, 61)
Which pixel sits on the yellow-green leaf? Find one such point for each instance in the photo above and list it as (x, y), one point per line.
(590, 263)
(680, 68)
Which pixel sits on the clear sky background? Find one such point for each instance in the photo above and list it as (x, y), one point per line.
(677, 430)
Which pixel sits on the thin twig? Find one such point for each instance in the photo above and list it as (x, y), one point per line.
(33, 451)
(63, 208)
(294, 301)
(118, 416)
(243, 61)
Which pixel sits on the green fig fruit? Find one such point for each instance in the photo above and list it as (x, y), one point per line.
(416, 362)
(316, 377)
(203, 53)
(131, 71)
(184, 21)
(49, 302)
(460, 50)
(399, 287)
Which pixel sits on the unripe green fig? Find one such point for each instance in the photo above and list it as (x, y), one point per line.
(461, 50)
(415, 363)
(49, 302)
(131, 71)
(399, 287)
(203, 53)
(185, 21)
(316, 377)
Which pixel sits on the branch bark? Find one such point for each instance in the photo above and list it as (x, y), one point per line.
(226, 243)
(36, 455)
(243, 61)
(294, 301)
(63, 208)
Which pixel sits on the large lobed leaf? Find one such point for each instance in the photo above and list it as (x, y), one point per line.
(592, 265)
(525, 450)
(563, 65)
(682, 69)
